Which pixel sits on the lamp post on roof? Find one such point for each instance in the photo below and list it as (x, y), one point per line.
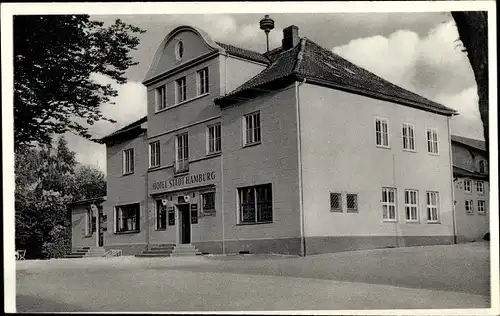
(267, 24)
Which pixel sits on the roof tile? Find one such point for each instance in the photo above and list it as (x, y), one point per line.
(320, 63)
(244, 53)
(474, 143)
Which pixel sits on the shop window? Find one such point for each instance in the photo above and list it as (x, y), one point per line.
(127, 218)
(208, 203)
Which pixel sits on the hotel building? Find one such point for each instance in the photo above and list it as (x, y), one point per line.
(292, 151)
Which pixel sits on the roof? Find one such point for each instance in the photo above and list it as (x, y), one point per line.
(470, 142)
(461, 172)
(128, 129)
(320, 66)
(90, 201)
(244, 53)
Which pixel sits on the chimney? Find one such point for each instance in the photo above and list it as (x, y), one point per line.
(290, 37)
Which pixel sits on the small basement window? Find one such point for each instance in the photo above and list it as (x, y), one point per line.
(335, 202)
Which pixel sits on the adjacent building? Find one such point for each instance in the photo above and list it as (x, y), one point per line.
(471, 184)
(292, 151)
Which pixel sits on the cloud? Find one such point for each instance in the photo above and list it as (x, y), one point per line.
(432, 66)
(468, 123)
(130, 105)
(392, 58)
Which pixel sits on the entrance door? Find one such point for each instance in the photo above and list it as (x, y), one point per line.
(185, 224)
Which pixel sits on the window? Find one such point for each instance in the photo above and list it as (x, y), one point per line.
(171, 216)
(411, 205)
(482, 166)
(161, 216)
(179, 50)
(467, 186)
(208, 203)
(481, 207)
(180, 90)
(389, 204)
(408, 137)
(480, 187)
(336, 202)
(127, 218)
(161, 98)
(352, 202)
(89, 222)
(252, 129)
(432, 140)
(213, 139)
(154, 154)
(255, 204)
(128, 161)
(469, 207)
(203, 81)
(182, 153)
(382, 132)
(432, 207)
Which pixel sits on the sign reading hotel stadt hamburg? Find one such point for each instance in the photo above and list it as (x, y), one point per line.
(184, 180)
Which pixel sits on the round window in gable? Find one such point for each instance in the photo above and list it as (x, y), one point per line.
(179, 50)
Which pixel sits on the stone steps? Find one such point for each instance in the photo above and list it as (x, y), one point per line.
(185, 250)
(85, 252)
(163, 250)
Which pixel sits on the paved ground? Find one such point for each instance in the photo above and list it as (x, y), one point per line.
(452, 276)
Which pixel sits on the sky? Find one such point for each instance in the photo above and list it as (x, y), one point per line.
(417, 51)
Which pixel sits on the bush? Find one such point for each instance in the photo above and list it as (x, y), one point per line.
(59, 244)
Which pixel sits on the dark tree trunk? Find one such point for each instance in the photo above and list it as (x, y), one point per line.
(473, 31)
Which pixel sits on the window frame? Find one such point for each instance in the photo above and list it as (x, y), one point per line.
(202, 206)
(469, 206)
(157, 154)
(186, 152)
(161, 103)
(180, 90)
(157, 216)
(351, 210)
(202, 76)
(340, 209)
(409, 206)
(118, 209)
(254, 131)
(467, 184)
(409, 139)
(255, 201)
(179, 50)
(388, 204)
(431, 141)
(481, 204)
(215, 143)
(386, 121)
(432, 206)
(480, 192)
(88, 222)
(482, 166)
(131, 163)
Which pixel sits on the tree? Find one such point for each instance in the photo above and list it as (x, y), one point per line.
(89, 182)
(42, 195)
(55, 58)
(473, 31)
